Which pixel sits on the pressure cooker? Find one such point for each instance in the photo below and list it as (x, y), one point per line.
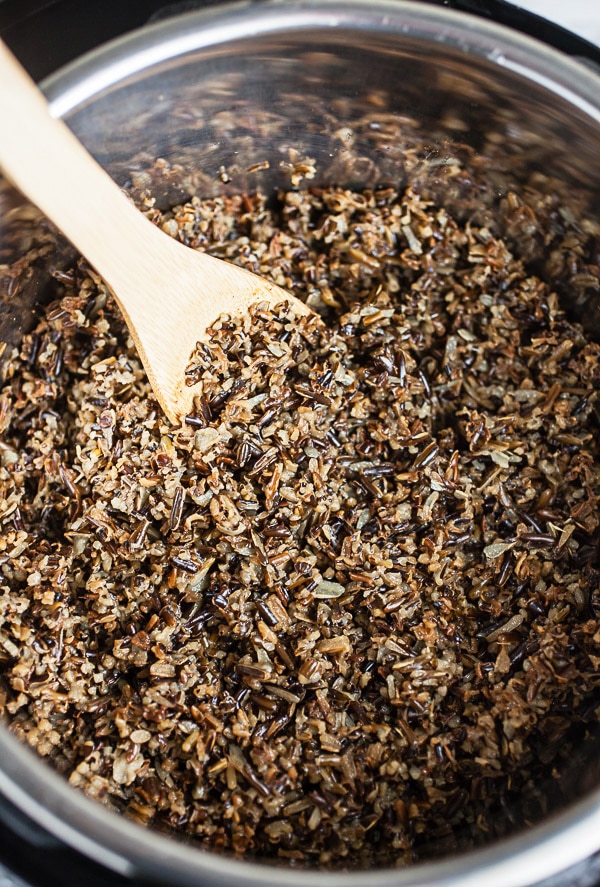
(485, 63)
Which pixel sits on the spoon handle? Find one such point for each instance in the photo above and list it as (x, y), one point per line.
(48, 164)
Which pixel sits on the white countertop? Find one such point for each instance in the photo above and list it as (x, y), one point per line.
(580, 16)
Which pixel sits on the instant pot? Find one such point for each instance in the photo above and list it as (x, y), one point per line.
(52, 850)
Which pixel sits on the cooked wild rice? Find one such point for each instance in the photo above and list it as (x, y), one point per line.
(347, 614)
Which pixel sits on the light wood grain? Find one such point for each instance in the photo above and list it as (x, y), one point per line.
(168, 293)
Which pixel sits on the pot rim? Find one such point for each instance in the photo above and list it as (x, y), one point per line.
(562, 840)
(574, 79)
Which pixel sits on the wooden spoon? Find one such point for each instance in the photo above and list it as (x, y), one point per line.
(169, 294)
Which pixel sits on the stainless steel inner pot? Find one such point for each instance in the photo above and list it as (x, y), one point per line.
(219, 92)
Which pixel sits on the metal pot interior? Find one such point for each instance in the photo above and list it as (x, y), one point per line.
(230, 100)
